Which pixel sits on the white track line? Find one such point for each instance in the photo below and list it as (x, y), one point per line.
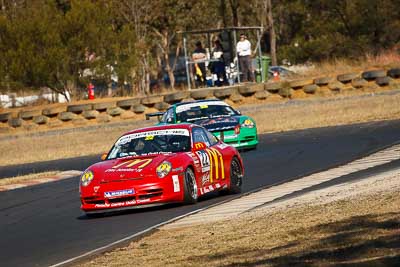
(116, 243)
(247, 202)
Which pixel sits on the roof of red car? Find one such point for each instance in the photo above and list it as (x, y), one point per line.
(162, 127)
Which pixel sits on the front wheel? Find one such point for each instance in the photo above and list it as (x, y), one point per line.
(189, 187)
(236, 179)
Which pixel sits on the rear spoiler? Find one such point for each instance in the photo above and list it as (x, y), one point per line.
(155, 114)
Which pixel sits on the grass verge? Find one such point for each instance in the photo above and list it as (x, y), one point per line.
(26, 178)
(324, 229)
(270, 118)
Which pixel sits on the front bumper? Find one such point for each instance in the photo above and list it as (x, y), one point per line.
(246, 139)
(93, 199)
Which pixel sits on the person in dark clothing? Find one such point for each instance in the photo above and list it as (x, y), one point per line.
(199, 56)
(218, 66)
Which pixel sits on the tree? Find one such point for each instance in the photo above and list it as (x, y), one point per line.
(271, 30)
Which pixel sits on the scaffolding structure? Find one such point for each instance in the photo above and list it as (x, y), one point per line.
(232, 46)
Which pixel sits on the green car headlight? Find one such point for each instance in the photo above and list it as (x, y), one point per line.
(248, 124)
(86, 178)
(163, 169)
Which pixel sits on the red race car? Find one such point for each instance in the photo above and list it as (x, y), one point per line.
(158, 165)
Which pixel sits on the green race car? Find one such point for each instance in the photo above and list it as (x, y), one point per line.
(216, 116)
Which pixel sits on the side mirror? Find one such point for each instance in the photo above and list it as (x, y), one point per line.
(104, 156)
(238, 111)
(199, 146)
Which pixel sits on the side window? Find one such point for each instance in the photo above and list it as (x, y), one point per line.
(168, 116)
(200, 136)
(213, 140)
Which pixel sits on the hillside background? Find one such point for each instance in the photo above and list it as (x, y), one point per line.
(132, 44)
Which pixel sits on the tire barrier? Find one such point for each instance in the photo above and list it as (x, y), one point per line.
(99, 111)
(347, 77)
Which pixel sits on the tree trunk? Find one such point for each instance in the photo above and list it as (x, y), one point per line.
(272, 34)
(164, 47)
(169, 71)
(222, 11)
(234, 8)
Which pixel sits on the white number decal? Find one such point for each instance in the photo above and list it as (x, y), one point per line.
(204, 160)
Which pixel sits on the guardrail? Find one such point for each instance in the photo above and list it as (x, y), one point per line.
(99, 111)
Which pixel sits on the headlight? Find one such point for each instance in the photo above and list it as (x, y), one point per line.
(86, 178)
(163, 169)
(248, 124)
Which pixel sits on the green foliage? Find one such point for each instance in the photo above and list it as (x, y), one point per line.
(49, 42)
(53, 46)
(325, 29)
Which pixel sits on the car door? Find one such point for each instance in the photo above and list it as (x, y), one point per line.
(212, 173)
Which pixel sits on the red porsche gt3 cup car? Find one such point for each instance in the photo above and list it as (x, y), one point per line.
(158, 165)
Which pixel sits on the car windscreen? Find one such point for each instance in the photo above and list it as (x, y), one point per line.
(151, 143)
(192, 113)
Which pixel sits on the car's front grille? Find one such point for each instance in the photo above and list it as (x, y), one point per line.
(141, 195)
(249, 138)
(150, 193)
(93, 200)
(121, 199)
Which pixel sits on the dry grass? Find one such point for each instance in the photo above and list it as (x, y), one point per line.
(307, 114)
(61, 145)
(331, 113)
(26, 178)
(388, 59)
(359, 230)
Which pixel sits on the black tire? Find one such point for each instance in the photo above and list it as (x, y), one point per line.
(345, 78)
(200, 94)
(236, 179)
(103, 106)
(394, 73)
(383, 81)
(128, 103)
(5, 116)
(310, 89)
(189, 187)
(138, 108)
(79, 108)
(161, 106)
(373, 74)
(224, 93)
(323, 80)
(176, 97)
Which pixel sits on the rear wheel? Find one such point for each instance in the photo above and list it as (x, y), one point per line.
(189, 187)
(236, 178)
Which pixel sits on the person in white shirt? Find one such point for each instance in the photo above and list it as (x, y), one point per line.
(243, 49)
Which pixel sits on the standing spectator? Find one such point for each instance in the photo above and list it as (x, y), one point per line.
(243, 49)
(218, 66)
(199, 56)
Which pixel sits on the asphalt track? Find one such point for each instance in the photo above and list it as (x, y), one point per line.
(43, 225)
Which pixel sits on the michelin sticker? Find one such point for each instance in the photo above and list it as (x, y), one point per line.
(119, 193)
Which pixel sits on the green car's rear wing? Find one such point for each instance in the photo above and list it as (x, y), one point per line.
(155, 114)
